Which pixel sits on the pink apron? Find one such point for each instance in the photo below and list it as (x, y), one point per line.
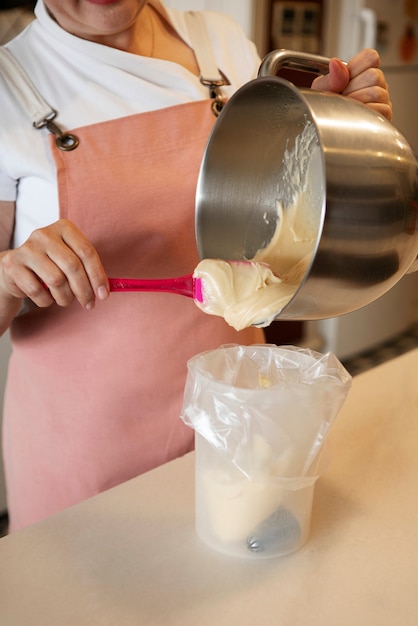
(93, 397)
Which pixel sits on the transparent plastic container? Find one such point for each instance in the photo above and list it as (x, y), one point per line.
(261, 416)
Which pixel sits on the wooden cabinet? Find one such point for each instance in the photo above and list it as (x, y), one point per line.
(296, 25)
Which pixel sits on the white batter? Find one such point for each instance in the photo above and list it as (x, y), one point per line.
(243, 293)
(253, 293)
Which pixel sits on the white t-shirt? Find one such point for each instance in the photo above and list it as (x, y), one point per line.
(87, 83)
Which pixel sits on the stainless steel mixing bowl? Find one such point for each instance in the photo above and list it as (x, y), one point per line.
(366, 235)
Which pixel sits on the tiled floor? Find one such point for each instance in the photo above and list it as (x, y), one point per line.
(405, 342)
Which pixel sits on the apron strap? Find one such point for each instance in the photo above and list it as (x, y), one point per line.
(210, 75)
(38, 109)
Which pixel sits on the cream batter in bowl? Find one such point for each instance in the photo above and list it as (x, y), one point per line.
(255, 292)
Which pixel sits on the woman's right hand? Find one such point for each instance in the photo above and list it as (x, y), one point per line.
(361, 79)
(56, 264)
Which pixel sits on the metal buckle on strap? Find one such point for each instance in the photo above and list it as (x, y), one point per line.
(63, 141)
(218, 104)
(214, 91)
(210, 82)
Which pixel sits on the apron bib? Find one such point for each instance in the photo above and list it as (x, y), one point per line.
(93, 397)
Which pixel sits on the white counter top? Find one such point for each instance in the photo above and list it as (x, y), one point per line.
(130, 557)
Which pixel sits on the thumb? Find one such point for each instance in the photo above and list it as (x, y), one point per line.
(336, 80)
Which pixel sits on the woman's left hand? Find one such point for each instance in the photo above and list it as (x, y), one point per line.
(361, 78)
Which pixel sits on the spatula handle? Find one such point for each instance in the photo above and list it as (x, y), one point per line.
(183, 285)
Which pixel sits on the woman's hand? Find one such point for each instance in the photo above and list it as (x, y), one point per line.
(361, 78)
(56, 264)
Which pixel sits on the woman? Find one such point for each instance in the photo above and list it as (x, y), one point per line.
(95, 382)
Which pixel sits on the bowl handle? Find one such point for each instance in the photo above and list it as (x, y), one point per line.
(294, 60)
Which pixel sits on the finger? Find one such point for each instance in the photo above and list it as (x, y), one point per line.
(22, 282)
(84, 269)
(375, 96)
(383, 109)
(336, 80)
(362, 61)
(368, 79)
(382, 106)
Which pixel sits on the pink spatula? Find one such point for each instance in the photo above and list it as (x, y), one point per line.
(183, 285)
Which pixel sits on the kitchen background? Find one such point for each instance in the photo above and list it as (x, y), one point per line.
(333, 28)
